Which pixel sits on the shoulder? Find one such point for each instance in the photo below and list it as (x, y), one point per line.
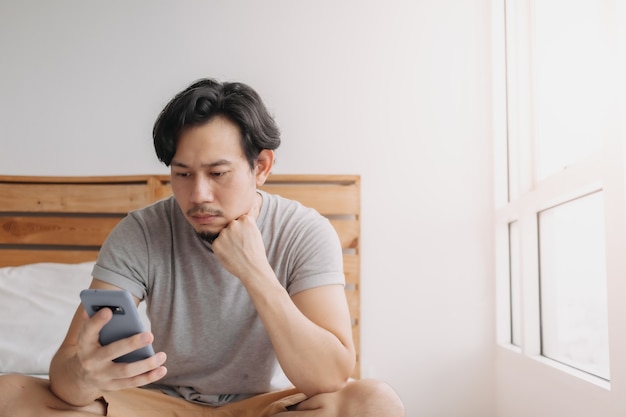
(156, 214)
(286, 217)
(288, 220)
(141, 221)
(160, 208)
(277, 206)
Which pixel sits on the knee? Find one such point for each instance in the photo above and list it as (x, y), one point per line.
(17, 383)
(11, 387)
(14, 387)
(374, 398)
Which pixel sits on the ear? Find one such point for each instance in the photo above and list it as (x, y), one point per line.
(264, 164)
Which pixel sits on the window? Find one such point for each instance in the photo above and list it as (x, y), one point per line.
(559, 182)
(573, 293)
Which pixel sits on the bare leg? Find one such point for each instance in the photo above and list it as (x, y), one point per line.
(362, 398)
(24, 396)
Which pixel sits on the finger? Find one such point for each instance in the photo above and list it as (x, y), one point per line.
(89, 341)
(92, 327)
(145, 365)
(149, 377)
(138, 373)
(137, 381)
(123, 346)
(316, 402)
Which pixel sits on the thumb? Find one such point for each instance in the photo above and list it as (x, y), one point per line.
(94, 325)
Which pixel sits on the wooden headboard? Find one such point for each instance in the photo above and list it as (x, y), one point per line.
(66, 219)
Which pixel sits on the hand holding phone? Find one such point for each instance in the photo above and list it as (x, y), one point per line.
(124, 323)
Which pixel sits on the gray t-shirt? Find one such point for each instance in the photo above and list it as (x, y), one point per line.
(200, 314)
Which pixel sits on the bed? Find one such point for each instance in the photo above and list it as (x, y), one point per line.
(51, 229)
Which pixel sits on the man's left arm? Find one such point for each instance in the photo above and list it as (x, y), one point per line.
(311, 334)
(311, 331)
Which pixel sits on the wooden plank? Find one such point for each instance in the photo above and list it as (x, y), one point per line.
(329, 199)
(73, 198)
(351, 268)
(312, 178)
(16, 257)
(348, 231)
(356, 336)
(55, 230)
(108, 179)
(162, 191)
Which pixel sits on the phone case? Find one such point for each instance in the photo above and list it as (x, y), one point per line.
(125, 321)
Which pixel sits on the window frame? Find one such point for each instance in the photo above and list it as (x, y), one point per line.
(601, 171)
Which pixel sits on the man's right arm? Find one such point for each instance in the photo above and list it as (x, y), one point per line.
(82, 370)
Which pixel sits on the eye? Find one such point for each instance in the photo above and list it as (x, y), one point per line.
(219, 174)
(183, 174)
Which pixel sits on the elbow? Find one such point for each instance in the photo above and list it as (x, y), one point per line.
(324, 387)
(336, 386)
(331, 377)
(329, 382)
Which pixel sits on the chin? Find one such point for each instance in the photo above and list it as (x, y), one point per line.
(208, 236)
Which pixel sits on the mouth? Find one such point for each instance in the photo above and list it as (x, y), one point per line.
(204, 219)
(203, 215)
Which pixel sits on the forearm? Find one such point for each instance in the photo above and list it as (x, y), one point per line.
(313, 358)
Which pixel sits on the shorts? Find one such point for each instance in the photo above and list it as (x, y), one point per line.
(139, 402)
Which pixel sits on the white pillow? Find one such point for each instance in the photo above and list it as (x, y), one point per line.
(37, 303)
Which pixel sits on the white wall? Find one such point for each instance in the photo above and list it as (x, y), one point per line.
(394, 90)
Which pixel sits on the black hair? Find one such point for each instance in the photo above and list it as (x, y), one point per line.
(207, 98)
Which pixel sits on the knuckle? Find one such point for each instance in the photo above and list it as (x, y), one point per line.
(89, 365)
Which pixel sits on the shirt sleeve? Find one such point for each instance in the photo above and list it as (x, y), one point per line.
(123, 258)
(317, 257)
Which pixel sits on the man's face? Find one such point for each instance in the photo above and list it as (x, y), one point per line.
(211, 179)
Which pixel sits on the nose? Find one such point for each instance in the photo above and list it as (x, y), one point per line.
(202, 191)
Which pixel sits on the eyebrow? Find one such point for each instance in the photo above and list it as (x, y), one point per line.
(219, 162)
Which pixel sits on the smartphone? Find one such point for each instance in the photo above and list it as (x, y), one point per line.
(125, 321)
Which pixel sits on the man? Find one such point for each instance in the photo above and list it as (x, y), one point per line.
(244, 289)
